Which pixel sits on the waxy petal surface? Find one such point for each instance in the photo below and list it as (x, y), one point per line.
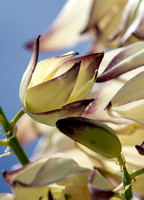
(70, 22)
(134, 24)
(101, 188)
(100, 9)
(74, 109)
(46, 69)
(128, 102)
(132, 90)
(89, 64)
(87, 76)
(45, 171)
(129, 58)
(139, 32)
(96, 110)
(135, 112)
(52, 94)
(53, 173)
(28, 73)
(126, 19)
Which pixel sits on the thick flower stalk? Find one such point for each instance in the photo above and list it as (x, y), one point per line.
(56, 88)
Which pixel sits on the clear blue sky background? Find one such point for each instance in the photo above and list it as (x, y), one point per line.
(20, 21)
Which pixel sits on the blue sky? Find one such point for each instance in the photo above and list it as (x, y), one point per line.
(20, 21)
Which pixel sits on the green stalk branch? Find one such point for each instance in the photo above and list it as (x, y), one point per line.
(137, 173)
(12, 141)
(17, 117)
(4, 142)
(126, 179)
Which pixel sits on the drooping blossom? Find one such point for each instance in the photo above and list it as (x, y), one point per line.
(57, 87)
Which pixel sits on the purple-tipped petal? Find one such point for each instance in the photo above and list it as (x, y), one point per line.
(130, 22)
(28, 73)
(128, 102)
(47, 68)
(130, 57)
(65, 30)
(74, 109)
(137, 13)
(124, 21)
(140, 149)
(97, 193)
(96, 110)
(130, 92)
(52, 94)
(87, 75)
(139, 32)
(45, 171)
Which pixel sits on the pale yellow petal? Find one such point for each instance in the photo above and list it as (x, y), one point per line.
(53, 94)
(74, 109)
(135, 113)
(131, 91)
(87, 76)
(33, 193)
(82, 92)
(66, 28)
(129, 58)
(136, 16)
(96, 110)
(102, 8)
(28, 73)
(46, 69)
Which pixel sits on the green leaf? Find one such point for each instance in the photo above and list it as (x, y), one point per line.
(91, 133)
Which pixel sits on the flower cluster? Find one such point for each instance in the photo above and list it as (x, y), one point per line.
(87, 110)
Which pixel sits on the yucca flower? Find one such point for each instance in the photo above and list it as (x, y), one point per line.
(111, 104)
(90, 20)
(129, 106)
(104, 24)
(132, 23)
(111, 75)
(58, 173)
(117, 68)
(57, 87)
(56, 176)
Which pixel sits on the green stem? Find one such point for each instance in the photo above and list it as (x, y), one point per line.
(126, 179)
(17, 117)
(117, 195)
(4, 142)
(137, 173)
(13, 142)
